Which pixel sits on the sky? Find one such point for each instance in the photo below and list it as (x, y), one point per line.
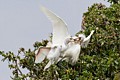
(22, 23)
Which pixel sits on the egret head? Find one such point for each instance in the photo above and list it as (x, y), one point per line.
(81, 36)
(75, 39)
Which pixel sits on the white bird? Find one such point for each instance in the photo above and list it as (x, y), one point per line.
(60, 33)
(71, 54)
(63, 46)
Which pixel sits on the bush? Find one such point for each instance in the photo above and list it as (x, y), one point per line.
(101, 59)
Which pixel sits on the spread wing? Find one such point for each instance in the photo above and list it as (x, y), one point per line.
(41, 54)
(60, 31)
(87, 39)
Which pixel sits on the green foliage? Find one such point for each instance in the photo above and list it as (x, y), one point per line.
(102, 57)
(114, 1)
(99, 61)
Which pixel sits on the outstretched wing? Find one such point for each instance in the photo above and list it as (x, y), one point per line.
(60, 31)
(87, 40)
(41, 54)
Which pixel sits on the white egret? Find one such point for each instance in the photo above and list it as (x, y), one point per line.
(63, 46)
(74, 47)
(60, 33)
(72, 52)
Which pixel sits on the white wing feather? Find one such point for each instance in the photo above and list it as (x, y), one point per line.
(41, 54)
(87, 40)
(60, 31)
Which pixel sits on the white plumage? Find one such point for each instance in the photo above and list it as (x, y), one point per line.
(63, 46)
(60, 31)
(72, 53)
(41, 53)
(53, 56)
(86, 40)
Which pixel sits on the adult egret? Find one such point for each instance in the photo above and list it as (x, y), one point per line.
(72, 52)
(60, 33)
(63, 46)
(71, 55)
